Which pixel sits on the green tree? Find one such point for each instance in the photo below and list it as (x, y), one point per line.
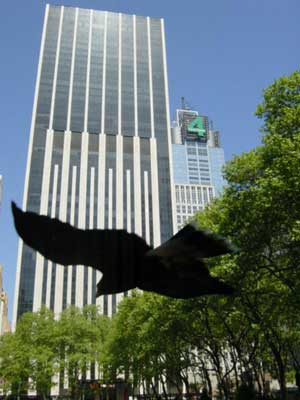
(28, 358)
(260, 212)
(42, 349)
(14, 364)
(80, 335)
(147, 343)
(280, 108)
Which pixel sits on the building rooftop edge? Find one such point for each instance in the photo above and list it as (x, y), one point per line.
(112, 12)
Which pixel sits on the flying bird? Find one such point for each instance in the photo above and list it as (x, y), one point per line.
(175, 269)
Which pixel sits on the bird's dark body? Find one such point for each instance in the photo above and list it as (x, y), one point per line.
(175, 268)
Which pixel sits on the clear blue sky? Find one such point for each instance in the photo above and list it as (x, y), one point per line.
(221, 54)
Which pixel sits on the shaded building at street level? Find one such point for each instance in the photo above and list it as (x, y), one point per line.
(4, 322)
(100, 144)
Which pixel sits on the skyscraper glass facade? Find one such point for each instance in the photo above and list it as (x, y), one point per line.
(217, 161)
(198, 161)
(99, 149)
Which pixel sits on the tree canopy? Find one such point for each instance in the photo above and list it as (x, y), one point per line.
(43, 348)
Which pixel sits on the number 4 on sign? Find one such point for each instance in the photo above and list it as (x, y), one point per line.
(197, 126)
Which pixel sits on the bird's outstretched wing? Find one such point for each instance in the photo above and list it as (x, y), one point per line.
(187, 288)
(180, 278)
(193, 242)
(116, 253)
(181, 271)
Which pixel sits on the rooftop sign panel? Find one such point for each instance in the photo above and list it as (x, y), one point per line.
(197, 126)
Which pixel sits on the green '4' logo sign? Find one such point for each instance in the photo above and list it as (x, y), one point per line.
(196, 126)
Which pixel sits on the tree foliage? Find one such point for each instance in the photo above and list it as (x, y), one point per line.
(42, 349)
(280, 108)
(28, 358)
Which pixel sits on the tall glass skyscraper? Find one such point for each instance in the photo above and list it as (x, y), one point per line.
(198, 160)
(99, 148)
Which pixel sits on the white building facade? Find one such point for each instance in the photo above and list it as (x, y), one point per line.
(191, 198)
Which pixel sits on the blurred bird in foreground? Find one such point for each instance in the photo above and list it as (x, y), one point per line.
(175, 269)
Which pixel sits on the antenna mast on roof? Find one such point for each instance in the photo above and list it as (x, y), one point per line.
(183, 105)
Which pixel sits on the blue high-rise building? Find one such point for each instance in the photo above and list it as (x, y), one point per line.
(198, 160)
(216, 161)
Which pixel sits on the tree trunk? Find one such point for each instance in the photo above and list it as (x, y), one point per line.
(164, 388)
(225, 390)
(257, 380)
(187, 386)
(281, 372)
(207, 380)
(282, 381)
(154, 389)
